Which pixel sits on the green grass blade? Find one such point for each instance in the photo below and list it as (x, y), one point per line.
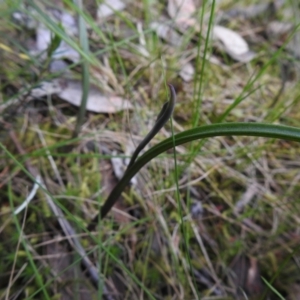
(252, 80)
(84, 42)
(198, 87)
(19, 229)
(272, 289)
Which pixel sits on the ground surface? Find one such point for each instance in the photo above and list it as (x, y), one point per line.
(219, 220)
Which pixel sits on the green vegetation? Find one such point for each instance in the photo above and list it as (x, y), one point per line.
(212, 208)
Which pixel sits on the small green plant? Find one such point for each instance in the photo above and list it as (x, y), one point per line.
(214, 130)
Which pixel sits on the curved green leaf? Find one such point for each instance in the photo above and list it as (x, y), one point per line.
(221, 129)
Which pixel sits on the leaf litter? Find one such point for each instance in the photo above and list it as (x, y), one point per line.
(68, 90)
